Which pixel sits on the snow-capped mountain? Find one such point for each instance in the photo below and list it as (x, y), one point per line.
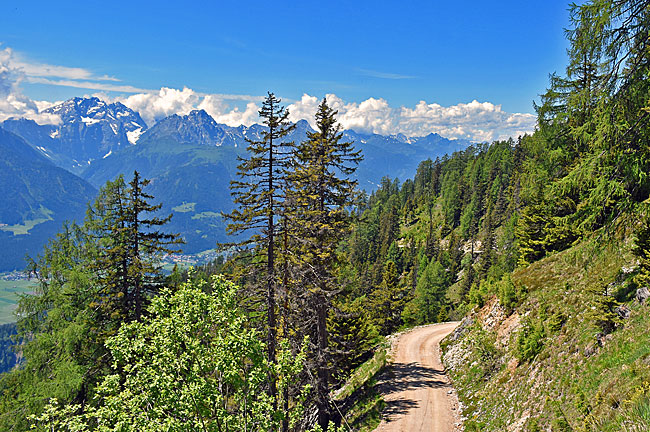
(199, 128)
(90, 129)
(191, 159)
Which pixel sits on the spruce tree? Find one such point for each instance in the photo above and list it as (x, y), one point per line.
(323, 191)
(146, 245)
(129, 248)
(259, 196)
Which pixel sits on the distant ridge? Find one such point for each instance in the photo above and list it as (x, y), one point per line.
(37, 198)
(191, 158)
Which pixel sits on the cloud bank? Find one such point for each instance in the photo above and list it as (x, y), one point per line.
(12, 102)
(475, 121)
(155, 106)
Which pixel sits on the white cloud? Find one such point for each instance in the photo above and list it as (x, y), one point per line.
(34, 69)
(12, 102)
(476, 121)
(222, 113)
(56, 75)
(383, 75)
(122, 88)
(155, 106)
(167, 101)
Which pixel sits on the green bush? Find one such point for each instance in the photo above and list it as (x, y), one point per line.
(530, 341)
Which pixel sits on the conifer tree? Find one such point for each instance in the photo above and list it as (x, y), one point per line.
(259, 196)
(146, 245)
(323, 191)
(388, 300)
(130, 245)
(87, 279)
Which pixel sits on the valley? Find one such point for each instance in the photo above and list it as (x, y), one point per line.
(190, 159)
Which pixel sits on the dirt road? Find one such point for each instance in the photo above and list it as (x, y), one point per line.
(416, 389)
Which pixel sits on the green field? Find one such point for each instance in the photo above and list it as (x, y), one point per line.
(43, 215)
(9, 292)
(184, 208)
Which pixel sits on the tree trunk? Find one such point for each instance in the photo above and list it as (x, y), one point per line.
(270, 291)
(322, 400)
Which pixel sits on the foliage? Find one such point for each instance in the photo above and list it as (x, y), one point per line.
(603, 313)
(642, 251)
(89, 279)
(530, 341)
(8, 356)
(429, 296)
(193, 364)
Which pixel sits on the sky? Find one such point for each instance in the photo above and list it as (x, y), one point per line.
(467, 69)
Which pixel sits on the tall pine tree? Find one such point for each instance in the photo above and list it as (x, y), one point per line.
(259, 195)
(323, 191)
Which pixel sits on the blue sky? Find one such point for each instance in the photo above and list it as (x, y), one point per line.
(444, 53)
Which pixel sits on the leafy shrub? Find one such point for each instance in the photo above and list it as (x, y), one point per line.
(486, 352)
(530, 341)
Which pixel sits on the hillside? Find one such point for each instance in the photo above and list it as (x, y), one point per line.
(38, 197)
(539, 246)
(192, 160)
(550, 361)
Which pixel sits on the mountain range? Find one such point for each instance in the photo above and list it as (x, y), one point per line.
(190, 159)
(37, 197)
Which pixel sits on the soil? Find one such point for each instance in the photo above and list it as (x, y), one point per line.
(418, 394)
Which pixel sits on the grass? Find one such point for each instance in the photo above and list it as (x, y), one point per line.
(43, 215)
(599, 391)
(9, 295)
(184, 208)
(364, 412)
(365, 372)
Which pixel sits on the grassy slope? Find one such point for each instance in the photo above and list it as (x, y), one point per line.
(563, 387)
(9, 294)
(359, 399)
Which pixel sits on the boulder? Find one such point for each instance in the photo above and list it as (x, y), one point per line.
(622, 311)
(642, 294)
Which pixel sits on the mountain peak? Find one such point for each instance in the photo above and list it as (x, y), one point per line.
(197, 127)
(90, 128)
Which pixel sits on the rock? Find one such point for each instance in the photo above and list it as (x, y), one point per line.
(462, 328)
(590, 349)
(622, 311)
(642, 294)
(512, 365)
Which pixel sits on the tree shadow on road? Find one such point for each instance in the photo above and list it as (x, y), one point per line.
(407, 376)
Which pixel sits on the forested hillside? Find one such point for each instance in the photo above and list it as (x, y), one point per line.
(540, 245)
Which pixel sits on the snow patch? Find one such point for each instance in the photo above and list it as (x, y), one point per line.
(54, 134)
(114, 127)
(134, 136)
(89, 121)
(106, 155)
